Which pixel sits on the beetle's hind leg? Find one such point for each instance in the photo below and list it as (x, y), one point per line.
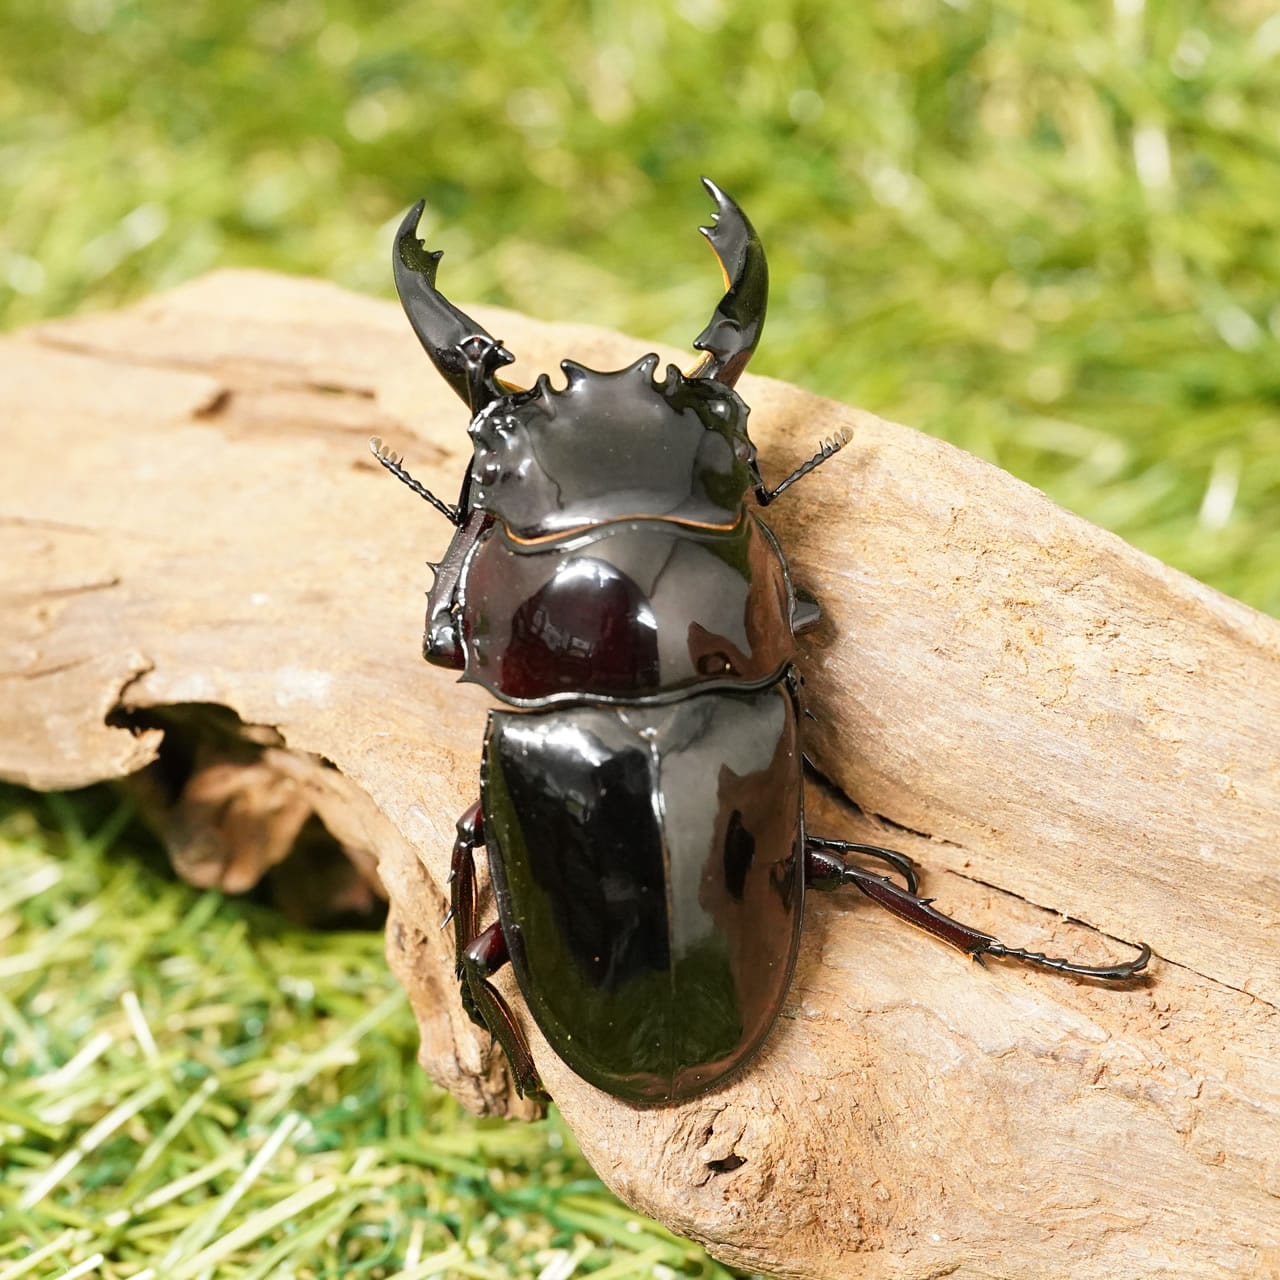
(898, 861)
(480, 954)
(826, 870)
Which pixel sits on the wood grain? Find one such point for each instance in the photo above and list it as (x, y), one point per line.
(1051, 722)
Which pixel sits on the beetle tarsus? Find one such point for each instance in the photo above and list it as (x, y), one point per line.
(1110, 972)
(393, 464)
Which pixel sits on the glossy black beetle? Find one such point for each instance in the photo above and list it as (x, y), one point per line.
(641, 803)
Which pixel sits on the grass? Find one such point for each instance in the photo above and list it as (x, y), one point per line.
(193, 1089)
(1042, 229)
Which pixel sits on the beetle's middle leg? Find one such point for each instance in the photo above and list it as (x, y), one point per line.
(481, 953)
(826, 870)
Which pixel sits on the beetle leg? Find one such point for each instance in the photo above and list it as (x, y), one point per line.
(806, 612)
(486, 954)
(898, 861)
(825, 871)
(480, 954)
(765, 495)
(463, 898)
(442, 636)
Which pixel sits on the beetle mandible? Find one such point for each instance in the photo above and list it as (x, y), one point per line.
(641, 790)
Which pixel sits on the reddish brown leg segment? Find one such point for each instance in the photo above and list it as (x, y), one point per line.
(481, 954)
(825, 870)
(891, 857)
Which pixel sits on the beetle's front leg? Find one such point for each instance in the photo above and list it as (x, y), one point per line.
(442, 636)
(481, 953)
(827, 870)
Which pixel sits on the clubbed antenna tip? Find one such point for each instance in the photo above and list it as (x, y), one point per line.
(393, 464)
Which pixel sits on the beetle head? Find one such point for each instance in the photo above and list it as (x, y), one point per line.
(610, 446)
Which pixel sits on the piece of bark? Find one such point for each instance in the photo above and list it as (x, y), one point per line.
(1039, 713)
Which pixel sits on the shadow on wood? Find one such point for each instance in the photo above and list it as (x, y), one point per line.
(1039, 714)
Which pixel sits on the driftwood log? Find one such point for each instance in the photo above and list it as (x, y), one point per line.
(205, 575)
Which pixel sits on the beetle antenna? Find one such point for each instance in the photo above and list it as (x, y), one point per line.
(829, 447)
(393, 464)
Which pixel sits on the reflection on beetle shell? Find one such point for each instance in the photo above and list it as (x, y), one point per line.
(610, 446)
(650, 924)
(627, 611)
(589, 626)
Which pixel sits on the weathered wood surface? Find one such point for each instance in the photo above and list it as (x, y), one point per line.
(1041, 715)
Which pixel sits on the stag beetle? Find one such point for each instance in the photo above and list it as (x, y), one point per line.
(641, 792)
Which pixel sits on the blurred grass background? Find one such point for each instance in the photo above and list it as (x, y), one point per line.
(1043, 230)
(194, 1089)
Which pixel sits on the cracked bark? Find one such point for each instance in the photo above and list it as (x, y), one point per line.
(189, 522)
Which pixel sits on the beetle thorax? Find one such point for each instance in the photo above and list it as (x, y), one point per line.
(611, 446)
